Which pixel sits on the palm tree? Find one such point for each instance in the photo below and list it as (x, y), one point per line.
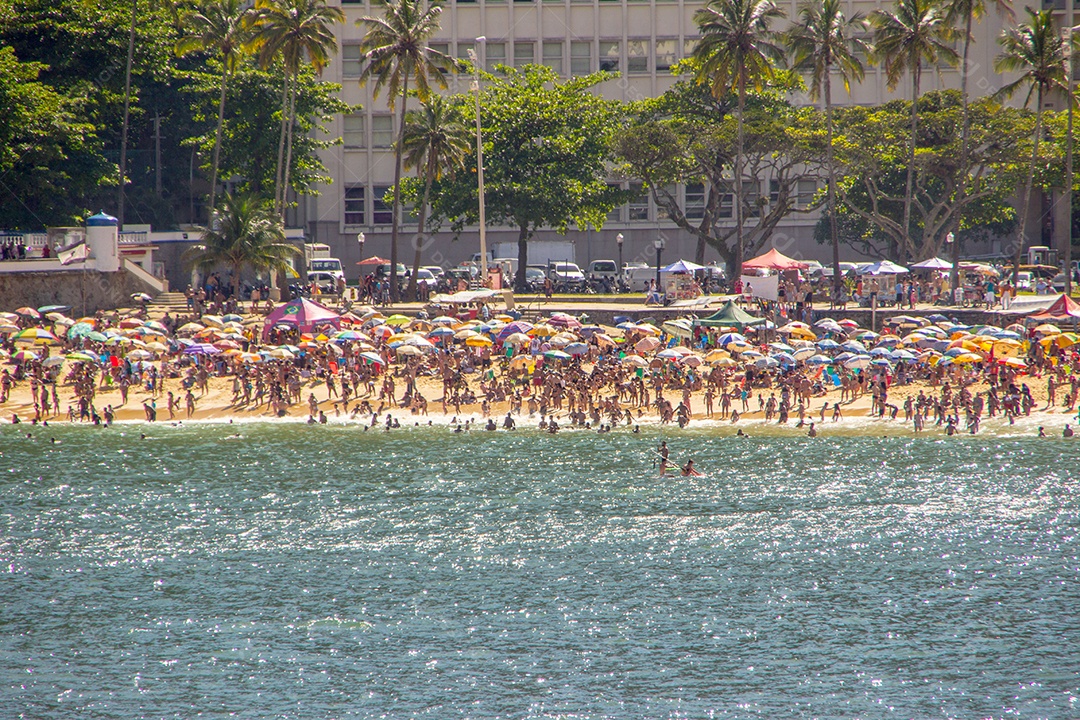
(249, 233)
(436, 141)
(736, 52)
(821, 41)
(1036, 51)
(299, 32)
(221, 26)
(395, 47)
(967, 11)
(914, 32)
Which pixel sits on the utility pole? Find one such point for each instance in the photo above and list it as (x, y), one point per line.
(157, 153)
(127, 114)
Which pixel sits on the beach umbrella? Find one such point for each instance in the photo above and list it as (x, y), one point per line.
(557, 355)
(819, 360)
(853, 346)
(604, 340)
(440, 332)
(542, 331)
(804, 353)
(1014, 362)
(766, 362)
(444, 320)
(373, 358)
(233, 317)
(562, 320)
(682, 266)
(479, 341)
(646, 344)
(866, 335)
(157, 347)
(967, 359)
(714, 355)
(225, 345)
(1048, 329)
(751, 354)
(859, 362)
(59, 317)
(880, 352)
(418, 341)
(409, 350)
(517, 338)
(784, 358)
(279, 353)
(201, 349)
(781, 347)
(561, 340)
(28, 312)
(732, 337)
(24, 356)
(465, 334)
(36, 335)
(398, 320)
(724, 362)
(668, 354)
(577, 348)
(349, 335)
(635, 360)
(249, 358)
(6, 329)
(902, 355)
(680, 327)
(191, 327)
(9, 317)
(215, 320)
(827, 344)
(53, 361)
(881, 362)
(140, 354)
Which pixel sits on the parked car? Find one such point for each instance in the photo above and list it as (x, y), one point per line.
(426, 277)
(566, 276)
(1024, 281)
(534, 278)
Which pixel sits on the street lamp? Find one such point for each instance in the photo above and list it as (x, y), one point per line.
(1067, 255)
(618, 273)
(475, 60)
(360, 238)
(954, 258)
(659, 244)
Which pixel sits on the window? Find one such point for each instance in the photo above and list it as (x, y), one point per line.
(609, 55)
(638, 207)
(667, 191)
(350, 61)
(353, 131)
(665, 55)
(806, 192)
(580, 57)
(443, 48)
(694, 205)
(637, 56)
(616, 212)
(524, 53)
(352, 2)
(463, 49)
(382, 131)
(727, 202)
(752, 198)
(495, 54)
(383, 212)
(354, 205)
(774, 191)
(688, 46)
(553, 56)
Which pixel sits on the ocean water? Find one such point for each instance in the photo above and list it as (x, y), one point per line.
(325, 572)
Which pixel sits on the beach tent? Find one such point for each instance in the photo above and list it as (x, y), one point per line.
(304, 314)
(883, 267)
(730, 316)
(933, 264)
(1064, 309)
(775, 260)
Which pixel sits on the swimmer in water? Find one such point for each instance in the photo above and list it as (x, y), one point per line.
(688, 470)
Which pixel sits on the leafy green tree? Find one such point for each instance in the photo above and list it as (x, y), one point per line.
(824, 40)
(872, 151)
(249, 135)
(49, 158)
(221, 27)
(546, 156)
(298, 32)
(912, 33)
(436, 142)
(688, 136)
(737, 53)
(1036, 51)
(249, 233)
(396, 49)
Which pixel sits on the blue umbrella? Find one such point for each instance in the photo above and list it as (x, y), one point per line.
(828, 344)
(819, 360)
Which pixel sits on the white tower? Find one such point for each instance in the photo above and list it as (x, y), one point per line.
(103, 240)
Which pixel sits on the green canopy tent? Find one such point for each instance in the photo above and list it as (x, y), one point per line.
(730, 316)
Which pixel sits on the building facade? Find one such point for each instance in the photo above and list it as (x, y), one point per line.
(640, 39)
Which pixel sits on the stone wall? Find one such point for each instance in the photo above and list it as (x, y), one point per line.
(87, 290)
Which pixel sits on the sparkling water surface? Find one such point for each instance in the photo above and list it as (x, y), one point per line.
(324, 572)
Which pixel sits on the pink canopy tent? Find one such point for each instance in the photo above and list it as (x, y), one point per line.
(775, 260)
(1064, 309)
(303, 314)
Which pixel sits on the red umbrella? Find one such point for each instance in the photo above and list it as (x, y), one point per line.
(373, 260)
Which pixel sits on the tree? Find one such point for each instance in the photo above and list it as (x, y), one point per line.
(395, 47)
(872, 154)
(1036, 51)
(251, 122)
(914, 32)
(248, 233)
(297, 31)
(736, 52)
(546, 155)
(966, 12)
(436, 142)
(821, 41)
(221, 27)
(688, 136)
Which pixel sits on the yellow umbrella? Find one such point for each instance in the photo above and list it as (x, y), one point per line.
(465, 334)
(1067, 339)
(724, 362)
(1014, 362)
(516, 338)
(398, 320)
(717, 355)
(967, 359)
(543, 331)
(479, 341)
(1048, 329)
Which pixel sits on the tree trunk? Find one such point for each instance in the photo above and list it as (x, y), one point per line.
(916, 75)
(237, 267)
(396, 205)
(523, 257)
(834, 234)
(288, 149)
(127, 112)
(1025, 201)
(217, 145)
(738, 204)
(419, 237)
(965, 133)
(281, 143)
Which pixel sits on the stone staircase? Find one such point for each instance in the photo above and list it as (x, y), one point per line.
(172, 302)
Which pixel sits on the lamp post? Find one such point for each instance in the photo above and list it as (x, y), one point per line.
(475, 60)
(1067, 255)
(659, 244)
(954, 258)
(618, 274)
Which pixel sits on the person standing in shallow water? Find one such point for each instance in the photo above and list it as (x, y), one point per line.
(664, 452)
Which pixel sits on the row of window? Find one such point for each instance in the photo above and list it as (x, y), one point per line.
(639, 209)
(554, 53)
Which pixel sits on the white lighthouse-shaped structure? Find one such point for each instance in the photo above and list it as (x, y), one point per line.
(103, 241)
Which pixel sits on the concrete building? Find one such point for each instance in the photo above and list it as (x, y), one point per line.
(641, 39)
